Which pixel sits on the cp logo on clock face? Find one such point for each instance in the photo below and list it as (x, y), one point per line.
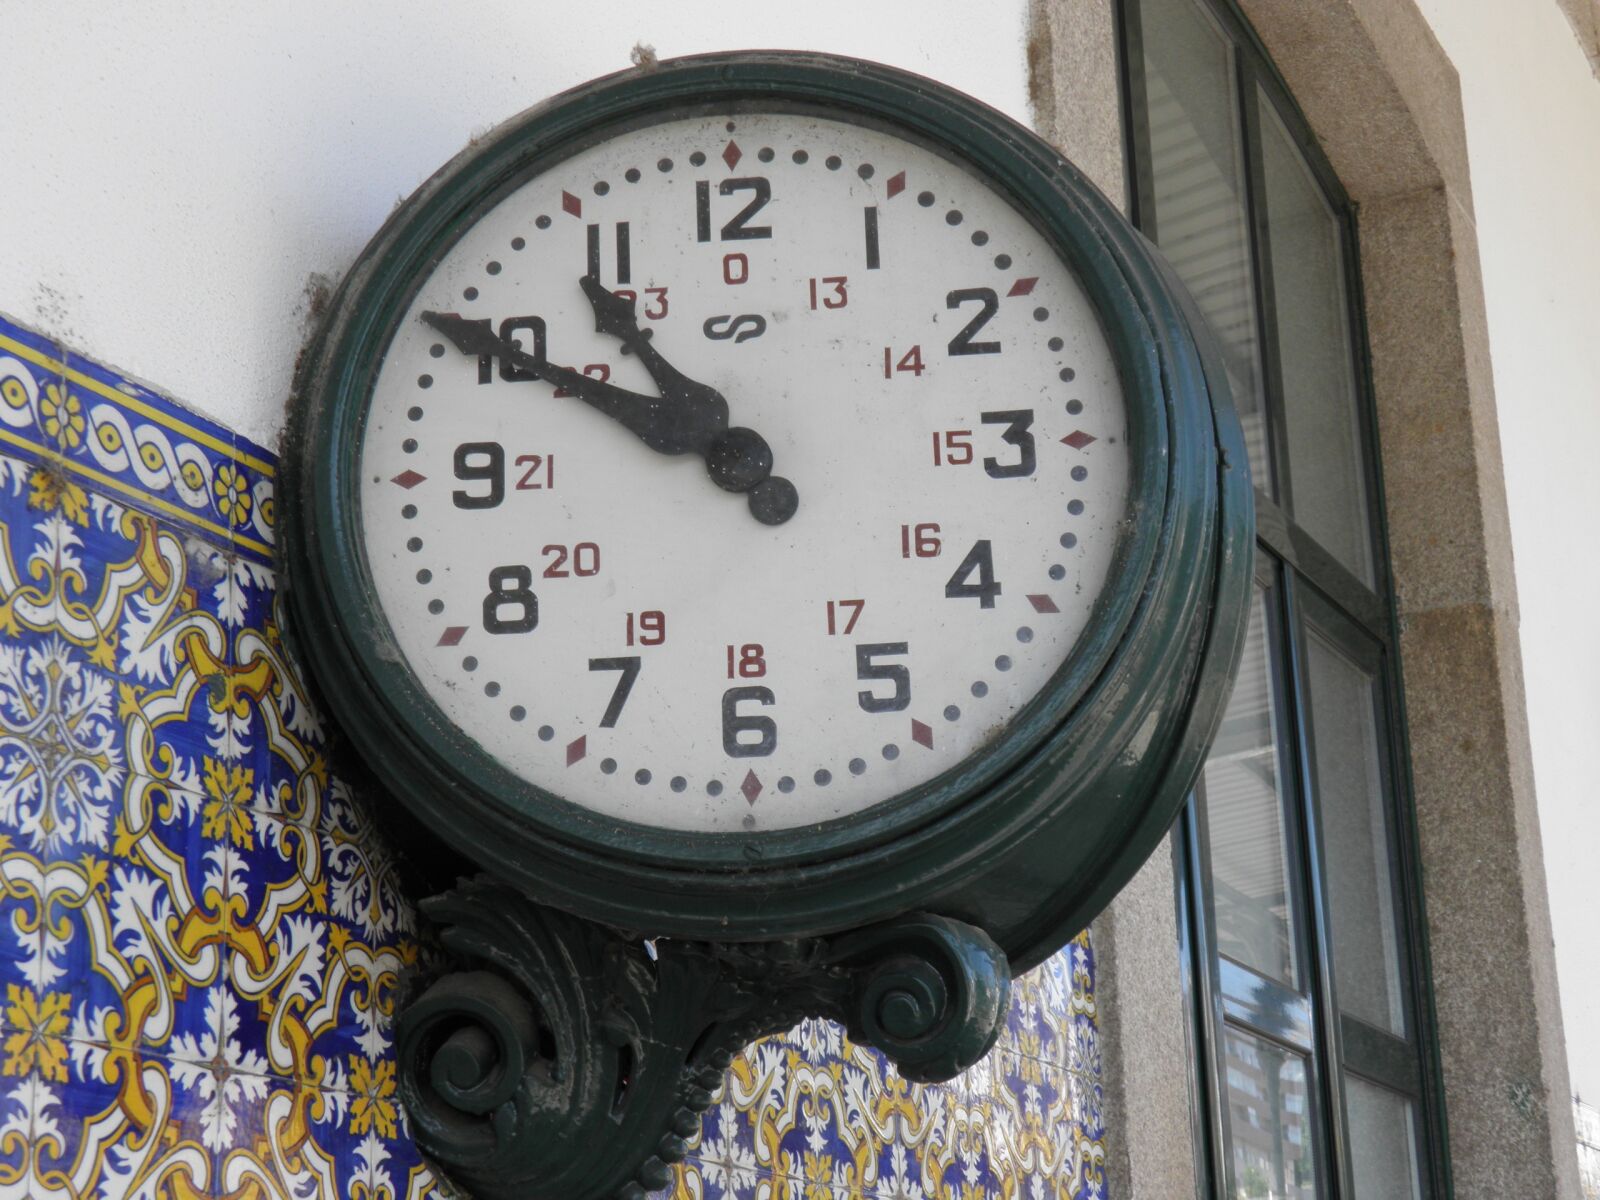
(741, 474)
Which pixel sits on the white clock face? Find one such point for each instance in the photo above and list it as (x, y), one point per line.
(611, 624)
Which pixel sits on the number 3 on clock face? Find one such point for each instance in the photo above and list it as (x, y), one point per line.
(668, 623)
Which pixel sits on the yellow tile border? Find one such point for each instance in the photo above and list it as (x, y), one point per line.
(138, 494)
(160, 417)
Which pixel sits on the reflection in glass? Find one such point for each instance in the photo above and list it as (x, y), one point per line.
(1269, 1122)
(1243, 815)
(1326, 492)
(1350, 806)
(1197, 175)
(1383, 1141)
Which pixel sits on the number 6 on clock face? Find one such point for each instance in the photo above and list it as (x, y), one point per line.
(743, 458)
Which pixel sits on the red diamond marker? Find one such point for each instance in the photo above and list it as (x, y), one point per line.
(921, 733)
(1023, 286)
(897, 184)
(408, 479)
(453, 635)
(751, 787)
(1043, 604)
(571, 204)
(1078, 439)
(577, 748)
(731, 154)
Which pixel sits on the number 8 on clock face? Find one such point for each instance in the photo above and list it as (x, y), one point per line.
(736, 473)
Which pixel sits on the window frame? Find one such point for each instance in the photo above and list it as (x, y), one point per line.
(1295, 563)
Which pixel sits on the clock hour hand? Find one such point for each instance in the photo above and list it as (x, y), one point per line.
(737, 459)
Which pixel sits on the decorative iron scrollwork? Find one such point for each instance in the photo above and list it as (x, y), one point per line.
(568, 1060)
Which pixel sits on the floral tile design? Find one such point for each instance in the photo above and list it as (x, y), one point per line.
(203, 936)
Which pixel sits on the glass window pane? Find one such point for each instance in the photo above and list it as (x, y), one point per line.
(1326, 490)
(1197, 179)
(1269, 1122)
(1383, 1141)
(1243, 817)
(1351, 812)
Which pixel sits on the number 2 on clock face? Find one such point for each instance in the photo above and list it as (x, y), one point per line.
(592, 570)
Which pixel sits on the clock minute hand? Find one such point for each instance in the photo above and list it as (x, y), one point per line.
(737, 459)
(638, 413)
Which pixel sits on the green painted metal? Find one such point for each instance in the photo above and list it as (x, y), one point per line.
(1027, 839)
(566, 1060)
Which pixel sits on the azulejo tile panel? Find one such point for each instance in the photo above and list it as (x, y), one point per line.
(202, 934)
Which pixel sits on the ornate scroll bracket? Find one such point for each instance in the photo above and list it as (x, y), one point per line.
(569, 1061)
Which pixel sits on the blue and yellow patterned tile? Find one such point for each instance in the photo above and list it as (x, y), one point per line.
(323, 988)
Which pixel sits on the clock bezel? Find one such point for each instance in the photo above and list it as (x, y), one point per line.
(1045, 777)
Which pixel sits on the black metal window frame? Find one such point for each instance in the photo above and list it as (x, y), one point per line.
(1303, 581)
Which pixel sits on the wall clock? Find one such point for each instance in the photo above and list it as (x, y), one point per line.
(763, 501)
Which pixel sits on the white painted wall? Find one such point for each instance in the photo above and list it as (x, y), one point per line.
(1533, 138)
(174, 173)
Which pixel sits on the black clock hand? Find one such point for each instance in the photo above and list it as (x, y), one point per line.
(629, 409)
(737, 459)
(659, 422)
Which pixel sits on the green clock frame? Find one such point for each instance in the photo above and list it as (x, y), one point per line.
(999, 861)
